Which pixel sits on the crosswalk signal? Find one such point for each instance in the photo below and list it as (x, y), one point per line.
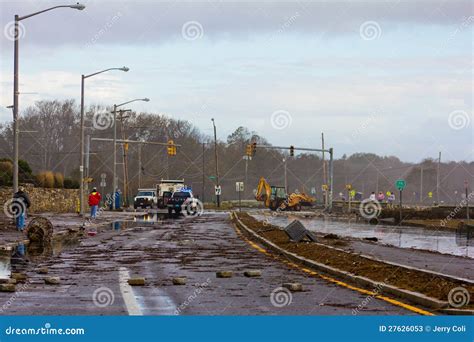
(171, 148)
(254, 148)
(292, 151)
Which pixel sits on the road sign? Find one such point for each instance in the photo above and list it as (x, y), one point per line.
(400, 184)
(239, 186)
(313, 190)
(103, 184)
(352, 193)
(218, 190)
(212, 177)
(324, 187)
(348, 187)
(103, 175)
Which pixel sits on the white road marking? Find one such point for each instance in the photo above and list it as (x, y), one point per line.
(127, 293)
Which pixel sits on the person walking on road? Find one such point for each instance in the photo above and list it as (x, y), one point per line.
(20, 203)
(94, 201)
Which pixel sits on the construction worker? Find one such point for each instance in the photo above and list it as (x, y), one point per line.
(94, 201)
(20, 203)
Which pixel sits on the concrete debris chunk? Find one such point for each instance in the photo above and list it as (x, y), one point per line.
(252, 273)
(52, 280)
(293, 287)
(7, 288)
(224, 274)
(179, 281)
(137, 281)
(19, 277)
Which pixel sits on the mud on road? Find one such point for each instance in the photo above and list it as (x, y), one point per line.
(93, 272)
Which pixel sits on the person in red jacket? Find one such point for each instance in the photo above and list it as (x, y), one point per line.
(94, 201)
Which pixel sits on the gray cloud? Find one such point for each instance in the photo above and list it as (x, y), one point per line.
(154, 22)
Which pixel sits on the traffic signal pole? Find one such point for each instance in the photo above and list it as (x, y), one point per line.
(292, 149)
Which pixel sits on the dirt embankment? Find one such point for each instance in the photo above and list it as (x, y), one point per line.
(428, 284)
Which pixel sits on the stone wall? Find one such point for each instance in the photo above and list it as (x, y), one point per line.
(46, 200)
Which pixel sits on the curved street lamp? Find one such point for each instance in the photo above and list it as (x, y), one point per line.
(114, 181)
(18, 18)
(81, 167)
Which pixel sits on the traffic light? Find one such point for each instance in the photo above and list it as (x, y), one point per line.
(171, 148)
(254, 148)
(249, 150)
(292, 151)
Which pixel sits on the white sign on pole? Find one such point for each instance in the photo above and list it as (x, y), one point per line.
(103, 184)
(218, 190)
(239, 186)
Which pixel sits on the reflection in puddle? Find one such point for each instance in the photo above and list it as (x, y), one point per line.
(16, 260)
(454, 243)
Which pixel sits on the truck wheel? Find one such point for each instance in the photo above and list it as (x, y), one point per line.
(170, 212)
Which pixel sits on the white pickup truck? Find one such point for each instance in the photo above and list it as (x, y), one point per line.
(145, 198)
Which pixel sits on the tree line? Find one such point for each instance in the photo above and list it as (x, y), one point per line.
(50, 137)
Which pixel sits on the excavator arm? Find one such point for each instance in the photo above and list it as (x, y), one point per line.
(264, 191)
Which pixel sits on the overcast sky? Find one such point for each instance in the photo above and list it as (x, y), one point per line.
(388, 77)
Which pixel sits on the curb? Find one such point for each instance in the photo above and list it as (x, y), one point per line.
(354, 279)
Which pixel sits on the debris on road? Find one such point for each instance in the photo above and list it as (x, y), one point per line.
(224, 274)
(179, 280)
(19, 277)
(138, 281)
(252, 273)
(40, 231)
(52, 280)
(7, 287)
(293, 287)
(42, 270)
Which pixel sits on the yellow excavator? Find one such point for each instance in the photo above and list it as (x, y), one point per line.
(276, 198)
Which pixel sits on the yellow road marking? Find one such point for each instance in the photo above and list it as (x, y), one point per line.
(335, 281)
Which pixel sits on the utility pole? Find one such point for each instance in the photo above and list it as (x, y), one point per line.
(114, 181)
(218, 196)
(124, 157)
(139, 166)
(421, 184)
(203, 172)
(437, 178)
(246, 173)
(324, 169)
(286, 175)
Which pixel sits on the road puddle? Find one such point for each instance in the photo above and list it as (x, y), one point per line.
(460, 242)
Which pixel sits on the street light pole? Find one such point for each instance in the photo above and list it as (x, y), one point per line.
(16, 92)
(81, 164)
(218, 196)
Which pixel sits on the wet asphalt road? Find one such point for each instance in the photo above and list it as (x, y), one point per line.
(91, 275)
